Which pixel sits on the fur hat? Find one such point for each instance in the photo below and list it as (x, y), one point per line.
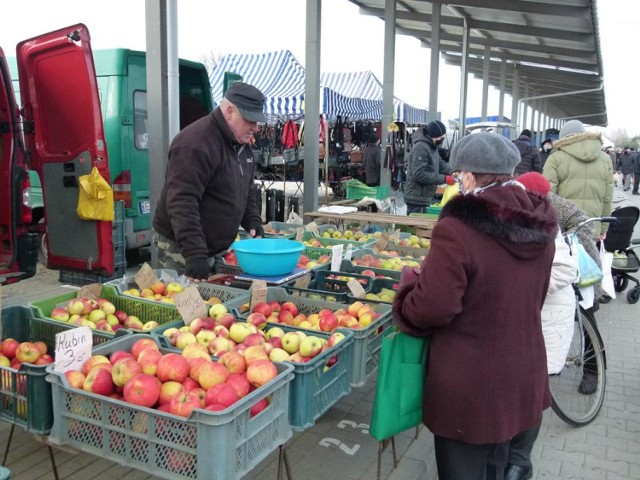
(527, 133)
(536, 182)
(571, 128)
(435, 129)
(485, 152)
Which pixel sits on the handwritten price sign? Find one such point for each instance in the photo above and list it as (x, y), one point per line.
(190, 304)
(73, 348)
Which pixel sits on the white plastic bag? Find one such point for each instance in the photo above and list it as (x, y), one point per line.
(606, 260)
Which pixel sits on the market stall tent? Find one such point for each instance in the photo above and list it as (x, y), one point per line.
(366, 85)
(281, 78)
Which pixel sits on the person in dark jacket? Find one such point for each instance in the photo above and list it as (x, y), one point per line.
(207, 192)
(545, 151)
(530, 160)
(479, 297)
(625, 167)
(426, 170)
(636, 174)
(371, 159)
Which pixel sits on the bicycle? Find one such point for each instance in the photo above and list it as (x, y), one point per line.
(577, 392)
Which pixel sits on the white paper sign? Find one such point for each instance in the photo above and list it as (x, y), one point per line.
(336, 257)
(348, 252)
(73, 348)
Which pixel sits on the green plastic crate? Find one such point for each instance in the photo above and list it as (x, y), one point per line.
(376, 287)
(222, 445)
(144, 310)
(349, 266)
(25, 395)
(379, 193)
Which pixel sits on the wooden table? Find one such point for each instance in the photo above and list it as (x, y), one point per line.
(423, 225)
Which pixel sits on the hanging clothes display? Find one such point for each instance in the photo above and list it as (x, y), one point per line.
(290, 135)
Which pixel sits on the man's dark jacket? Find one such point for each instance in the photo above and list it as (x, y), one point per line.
(206, 195)
(530, 160)
(425, 172)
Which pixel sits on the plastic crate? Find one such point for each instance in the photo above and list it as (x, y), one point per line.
(349, 266)
(84, 277)
(288, 230)
(315, 388)
(379, 193)
(434, 210)
(125, 282)
(325, 283)
(377, 285)
(145, 311)
(366, 341)
(206, 446)
(220, 266)
(330, 241)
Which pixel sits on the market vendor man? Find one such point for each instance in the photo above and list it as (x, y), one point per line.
(426, 170)
(207, 192)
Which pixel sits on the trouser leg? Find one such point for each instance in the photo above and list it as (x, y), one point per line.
(413, 208)
(636, 182)
(521, 445)
(460, 460)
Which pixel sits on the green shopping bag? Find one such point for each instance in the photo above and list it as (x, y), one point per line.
(398, 398)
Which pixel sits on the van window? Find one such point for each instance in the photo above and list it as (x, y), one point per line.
(140, 127)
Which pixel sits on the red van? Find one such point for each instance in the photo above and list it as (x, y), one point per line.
(61, 136)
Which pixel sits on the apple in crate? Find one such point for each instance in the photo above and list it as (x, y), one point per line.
(310, 346)
(258, 407)
(279, 355)
(290, 307)
(99, 381)
(234, 362)
(240, 383)
(291, 342)
(143, 344)
(75, 378)
(148, 360)
(169, 390)
(27, 352)
(195, 350)
(173, 288)
(225, 320)
(258, 320)
(239, 331)
(142, 389)
(205, 337)
(262, 307)
(212, 374)
(221, 394)
(185, 338)
(195, 367)
(202, 323)
(9, 347)
(44, 359)
(172, 366)
(261, 372)
(255, 353)
(60, 314)
(217, 310)
(4, 361)
(92, 362)
(335, 338)
(184, 403)
(124, 370)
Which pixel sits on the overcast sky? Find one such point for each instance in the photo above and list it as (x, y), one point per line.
(350, 42)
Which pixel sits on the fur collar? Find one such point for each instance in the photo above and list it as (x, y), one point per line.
(578, 137)
(506, 213)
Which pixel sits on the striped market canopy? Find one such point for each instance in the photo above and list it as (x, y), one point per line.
(366, 85)
(281, 78)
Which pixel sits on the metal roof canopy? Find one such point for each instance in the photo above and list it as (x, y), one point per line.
(554, 43)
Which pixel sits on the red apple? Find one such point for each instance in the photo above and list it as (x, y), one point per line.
(234, 362)
(258, 407)
(275, 305)
(240, 383)
(60, 314)
(141, 344)
(291, 307)
(211, 374)
(190, 384)
(75, 378)
(9, 347)
(258, 320)
(99, 381)
(221, 394)
(124, 370)
(262, 307)
(92, 361)
(261, 372)
(184, 403)
(172, 366)
(286, 317)
(195, 367)
(254, 353)
(148, 361)
(254, 339)
(328, 322)
(27, 352)
(168, 390)
(44, 359)
(118, 355)
(142, 389)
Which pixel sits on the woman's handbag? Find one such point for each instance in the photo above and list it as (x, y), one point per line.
(590, 272)
(398, 399)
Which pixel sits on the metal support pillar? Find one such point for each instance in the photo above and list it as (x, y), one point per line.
(388, 82)
(312, 105)
(486, 66)
(515, 95)
(503, 88)
(464, 77)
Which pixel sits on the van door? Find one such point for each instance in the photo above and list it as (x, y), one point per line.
(64, 138)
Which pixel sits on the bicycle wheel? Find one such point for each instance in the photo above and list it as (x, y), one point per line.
(577, 392)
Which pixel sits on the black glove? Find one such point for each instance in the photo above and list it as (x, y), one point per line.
(197, 268)
(258, 229)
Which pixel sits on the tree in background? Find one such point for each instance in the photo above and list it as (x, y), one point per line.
(621, 138)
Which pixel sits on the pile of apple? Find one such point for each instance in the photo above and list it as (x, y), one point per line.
(357, 236)
(159, 291)
(14, 353)
(413, 241)
(99, 314)
(298, 347)
(175, 383)
(357, 315)
(390, 263)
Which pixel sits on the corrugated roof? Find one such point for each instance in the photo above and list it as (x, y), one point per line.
(554, 43)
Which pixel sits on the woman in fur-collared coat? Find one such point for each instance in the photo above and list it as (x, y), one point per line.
(478, 296)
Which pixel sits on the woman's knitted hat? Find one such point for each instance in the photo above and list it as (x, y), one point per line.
(485, 152)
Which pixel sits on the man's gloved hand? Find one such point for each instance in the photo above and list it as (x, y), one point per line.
(449, 180)
(197, 269)
(256, 231)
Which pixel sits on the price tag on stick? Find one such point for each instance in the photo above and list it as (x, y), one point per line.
(313, 228)
(145, 276)
(299, 234)
(382, 242)
(91, 291)
(190, 304)
(258, 293)
(73, 348)
(356, 288)
(336, 257)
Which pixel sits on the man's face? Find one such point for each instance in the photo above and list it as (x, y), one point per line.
(242, 129)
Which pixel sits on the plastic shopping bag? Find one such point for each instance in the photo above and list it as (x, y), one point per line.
(606, 259)
(590, 272)
(449, 192)
(397, 404)
(95, 197)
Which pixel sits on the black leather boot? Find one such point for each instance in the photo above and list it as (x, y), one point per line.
(518, 472)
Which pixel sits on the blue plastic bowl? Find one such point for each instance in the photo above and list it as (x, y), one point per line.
(267, 257)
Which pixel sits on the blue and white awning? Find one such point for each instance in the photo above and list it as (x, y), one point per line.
(281, 78)
(365, 85)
